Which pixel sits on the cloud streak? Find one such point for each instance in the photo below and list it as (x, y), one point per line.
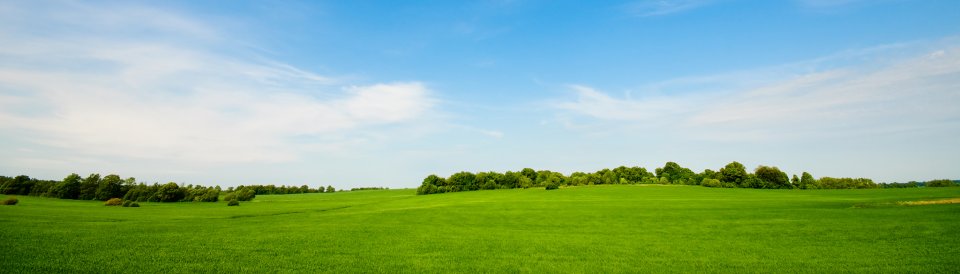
(179, 96)
(652, 8)
(855, 99)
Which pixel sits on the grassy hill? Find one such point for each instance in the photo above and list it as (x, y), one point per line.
(580, 229)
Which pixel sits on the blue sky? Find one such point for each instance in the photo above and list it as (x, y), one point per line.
(383, 93)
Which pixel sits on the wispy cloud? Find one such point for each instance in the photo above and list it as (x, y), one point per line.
(81, 83)
(846, 99)
(649, 8)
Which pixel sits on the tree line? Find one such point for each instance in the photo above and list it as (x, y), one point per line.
(733, 175)
(95, 187)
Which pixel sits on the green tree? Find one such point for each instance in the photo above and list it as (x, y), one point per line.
(795, 181)
(510, 179)
(525, 182)
(330, 189)
(462, 181)
(530, 174)
(208, 195)
(807, 181)
(940, 183)
(69, 188)
(19, 185)
(169, 192)
(733, 173)
(88, 187)
(246, 194)
(109, 187)
(772, 177)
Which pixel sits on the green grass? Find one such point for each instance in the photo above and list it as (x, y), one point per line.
(581, 229)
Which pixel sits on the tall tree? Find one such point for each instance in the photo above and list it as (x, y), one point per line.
(772, 177)
(69, 188)
(109, 187)
(807, 181)
(529, 173)
(88, 187)
(170, 192)
(734, 173)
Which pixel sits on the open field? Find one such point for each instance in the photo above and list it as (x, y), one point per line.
(580, 229)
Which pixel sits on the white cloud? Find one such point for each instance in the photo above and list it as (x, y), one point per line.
(649, 8)
(593, 103)
(86, 87)
(915, 93)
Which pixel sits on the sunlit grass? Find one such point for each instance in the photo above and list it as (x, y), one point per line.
(581, 229)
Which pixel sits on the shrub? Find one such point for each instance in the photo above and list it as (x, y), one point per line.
(113, 202)
(233, 203)
(246, 194)
(553, 185)
(707, 182)
(940, 183)
(127, 203)
(10, 201)
(134, 204)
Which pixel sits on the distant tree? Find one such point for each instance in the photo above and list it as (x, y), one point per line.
(676, 174)
(807, 181)
(247, 194)
(88, 187)
(209, 195)
(552, 184)
(69, 188)
(708, 182)
(109, 187)
(19, 185)
(845, 183)
(772, 177)
(525, 182)
(530, 174)
(795, 181)
(510, 179)
(707, 173)
(734, 173)
(169, 192)
(426, 189)
(483, 178)
(940, 183)
(490, 184)
(751, 181)
(330, 189)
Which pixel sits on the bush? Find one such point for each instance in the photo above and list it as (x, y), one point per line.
(707, 182)
(113, 202)
(134, 204)
(233, 203)
(553, 185)
(940, 183)
(10, 201)
(127, 203)
(246, 194)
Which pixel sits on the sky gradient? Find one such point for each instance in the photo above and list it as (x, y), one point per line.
(383, 93)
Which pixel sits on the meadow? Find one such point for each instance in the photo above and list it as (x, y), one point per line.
(586, 229)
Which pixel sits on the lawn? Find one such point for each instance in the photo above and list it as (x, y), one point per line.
(587, 229)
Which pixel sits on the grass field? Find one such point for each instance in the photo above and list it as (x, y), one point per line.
(580, 229)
